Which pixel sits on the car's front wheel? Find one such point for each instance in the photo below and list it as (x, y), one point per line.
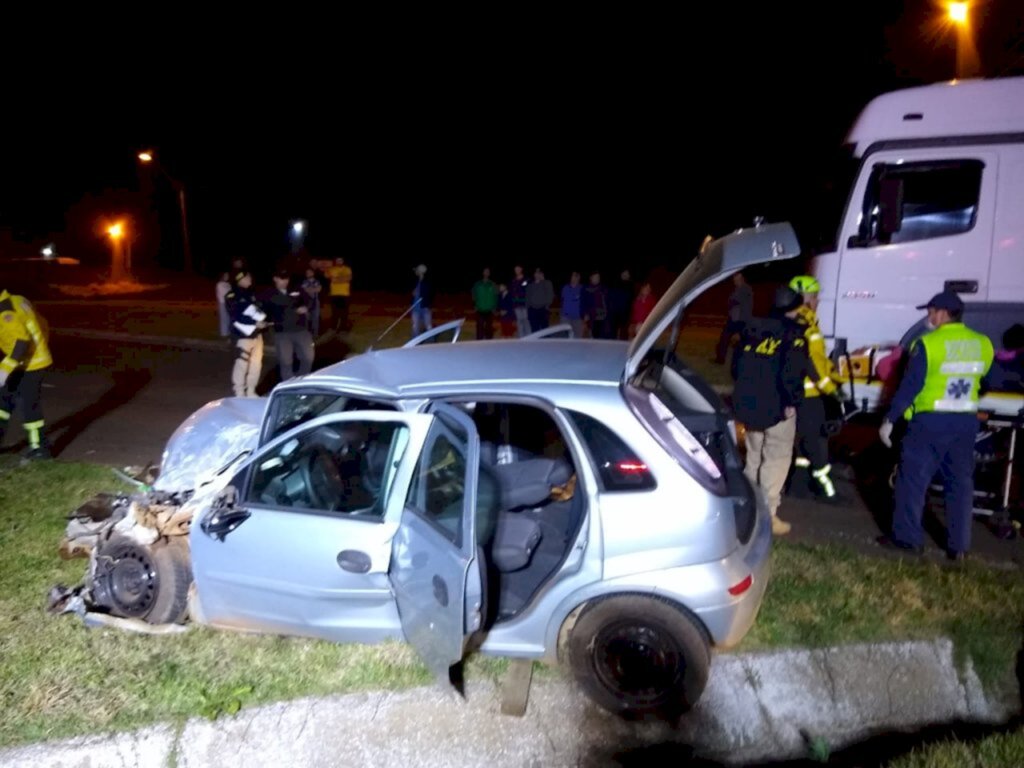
(635, 654)
(143, 582)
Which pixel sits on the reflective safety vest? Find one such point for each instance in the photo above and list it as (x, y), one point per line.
(957, 359)
(821, 381)
(23, 341)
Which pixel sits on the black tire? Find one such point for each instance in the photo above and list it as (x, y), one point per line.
(144, 582)
(639, 655)
(174, 566)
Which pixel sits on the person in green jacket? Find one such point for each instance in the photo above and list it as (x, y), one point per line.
(485, 301)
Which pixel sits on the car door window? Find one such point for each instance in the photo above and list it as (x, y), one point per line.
(345, 468)
(438, 488)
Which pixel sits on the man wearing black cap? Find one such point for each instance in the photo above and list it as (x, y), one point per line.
(769, 366)
(247, 323)
(938, 397)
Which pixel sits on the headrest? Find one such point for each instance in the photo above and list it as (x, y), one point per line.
(529, 483)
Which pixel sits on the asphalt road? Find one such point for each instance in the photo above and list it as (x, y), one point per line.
(115, 402)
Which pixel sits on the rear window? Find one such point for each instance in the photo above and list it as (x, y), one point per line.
(617, 464)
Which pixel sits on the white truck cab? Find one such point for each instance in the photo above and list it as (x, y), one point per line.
(937, 204)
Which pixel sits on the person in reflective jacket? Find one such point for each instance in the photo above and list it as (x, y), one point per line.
(812, 441)
(938, 397)
(25, 355)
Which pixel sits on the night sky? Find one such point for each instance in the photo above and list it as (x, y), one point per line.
(569, 143)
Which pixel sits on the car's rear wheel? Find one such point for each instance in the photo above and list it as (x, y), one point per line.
(143, 582)
(639, 655)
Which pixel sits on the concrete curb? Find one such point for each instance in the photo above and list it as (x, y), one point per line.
(757, 707)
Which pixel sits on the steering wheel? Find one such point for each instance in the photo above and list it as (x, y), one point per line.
(325, 482)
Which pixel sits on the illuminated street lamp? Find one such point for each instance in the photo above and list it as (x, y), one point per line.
(298, 232)
(958, 13)
(966, 57)
(121, 254)
(48, 251)
(147, 157)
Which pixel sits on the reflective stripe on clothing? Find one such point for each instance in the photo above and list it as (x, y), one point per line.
(822, 476)
(22, 335)
(821, 382)
(956, 357)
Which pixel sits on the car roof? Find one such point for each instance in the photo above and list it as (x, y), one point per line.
(396, 372)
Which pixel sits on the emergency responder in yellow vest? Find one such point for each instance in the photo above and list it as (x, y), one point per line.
(25, 356)
(812, 442)
(938, 397)
(341, 293)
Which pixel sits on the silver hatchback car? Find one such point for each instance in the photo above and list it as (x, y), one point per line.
(561, 499)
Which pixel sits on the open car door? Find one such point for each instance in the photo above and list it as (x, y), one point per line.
(435, 334)
(436, 573)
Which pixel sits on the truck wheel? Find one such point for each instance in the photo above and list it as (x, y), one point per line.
(639, 655)
(143, 582)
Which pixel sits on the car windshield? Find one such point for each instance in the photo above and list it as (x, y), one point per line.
(289, 409)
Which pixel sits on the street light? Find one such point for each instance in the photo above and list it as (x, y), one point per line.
(298, 232)
(966, 57)
(47, 251)
(148, 157)
(120, 263)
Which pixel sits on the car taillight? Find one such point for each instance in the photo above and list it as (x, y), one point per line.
(630, 473)
(631, 467)
(738, 589)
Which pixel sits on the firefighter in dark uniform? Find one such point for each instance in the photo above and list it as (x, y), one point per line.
(812, 442)
(938, 397)
(26, 355)
(769, 367)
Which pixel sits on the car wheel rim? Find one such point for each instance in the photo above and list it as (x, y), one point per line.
(639, 664)
(133, 582)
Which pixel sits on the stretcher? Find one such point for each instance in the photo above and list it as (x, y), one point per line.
(996, 473)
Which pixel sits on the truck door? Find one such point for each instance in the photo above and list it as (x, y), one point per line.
(918, 222)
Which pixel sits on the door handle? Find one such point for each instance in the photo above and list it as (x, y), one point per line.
(961, 286)
(354, 561)
(440, 591)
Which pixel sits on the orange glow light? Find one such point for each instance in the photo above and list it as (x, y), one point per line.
(958, 12)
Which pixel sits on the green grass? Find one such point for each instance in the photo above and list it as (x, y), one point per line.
(59, 678)
(1005, 750)
(820, 596)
